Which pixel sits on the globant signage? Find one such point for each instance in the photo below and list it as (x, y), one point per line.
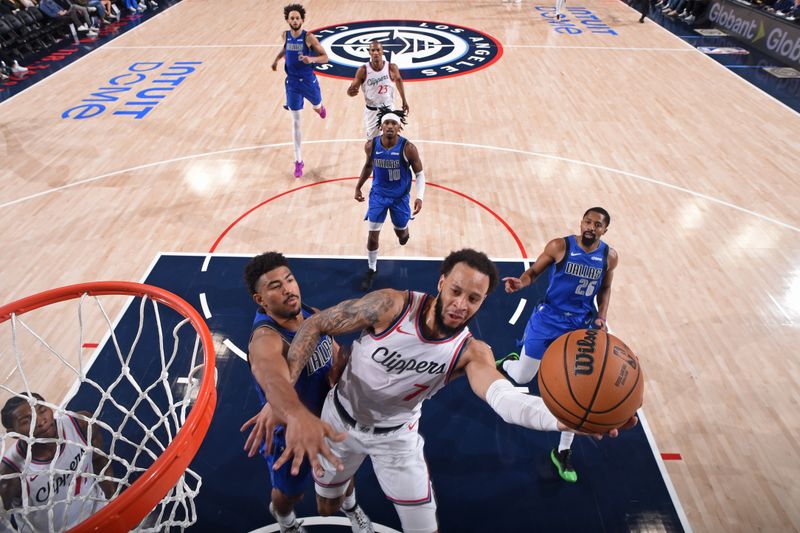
(779, 39)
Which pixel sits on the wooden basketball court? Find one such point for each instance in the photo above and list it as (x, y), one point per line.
(697, 167)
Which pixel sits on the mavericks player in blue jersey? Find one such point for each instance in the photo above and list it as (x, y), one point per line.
(301, 82)
(280, 314)
(390, 159)
(582, 269)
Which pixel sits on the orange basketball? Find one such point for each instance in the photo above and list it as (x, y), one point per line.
(591, 381)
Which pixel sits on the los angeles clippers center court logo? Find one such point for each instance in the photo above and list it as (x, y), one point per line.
(422, 50)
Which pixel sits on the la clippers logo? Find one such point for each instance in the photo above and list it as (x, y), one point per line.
(421, 50)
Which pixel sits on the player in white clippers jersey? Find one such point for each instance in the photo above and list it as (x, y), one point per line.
(412, 345)
(379, 79)
(57, 474)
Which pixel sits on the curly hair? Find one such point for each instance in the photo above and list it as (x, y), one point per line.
(382, 112)
(475, 259)
(261, 264)
(294, 7)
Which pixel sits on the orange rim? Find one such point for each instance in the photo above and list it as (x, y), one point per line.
(126, 511)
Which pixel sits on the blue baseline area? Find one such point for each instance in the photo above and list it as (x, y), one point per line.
(488, 475)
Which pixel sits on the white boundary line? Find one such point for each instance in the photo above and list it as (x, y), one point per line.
(664, 474)
(323, 521)
(149, 165)
(206, 261)
(313, 256)
(152, 266)
(239, 352)
(505, 47)
(607, 48)
(204, 305)
(445, 143)
(191, 46)
(518, 312)
(624, 173)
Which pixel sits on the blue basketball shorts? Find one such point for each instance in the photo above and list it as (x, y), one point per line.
(545, 326)
(398, 208)
(298, 89)
(282, 479)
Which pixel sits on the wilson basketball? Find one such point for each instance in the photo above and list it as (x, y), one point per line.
(591, 381)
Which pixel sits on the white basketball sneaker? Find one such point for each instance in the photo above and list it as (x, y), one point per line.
(359, 520)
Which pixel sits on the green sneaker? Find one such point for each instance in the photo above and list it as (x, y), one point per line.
(563, 463)
(513, 356)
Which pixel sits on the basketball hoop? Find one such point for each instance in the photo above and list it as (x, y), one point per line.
(157, 482)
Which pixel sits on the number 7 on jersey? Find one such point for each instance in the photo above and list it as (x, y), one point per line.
(420, 390)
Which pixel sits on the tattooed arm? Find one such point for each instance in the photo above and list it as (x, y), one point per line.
(377, 310)
(305, 433)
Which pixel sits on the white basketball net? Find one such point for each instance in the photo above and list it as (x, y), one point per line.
(138, 410)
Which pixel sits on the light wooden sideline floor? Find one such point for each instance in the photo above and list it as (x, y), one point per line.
(698, 169)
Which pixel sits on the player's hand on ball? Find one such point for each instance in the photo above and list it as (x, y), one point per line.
(614, 433)
(358, 196)
(632, 421)
(596, 436)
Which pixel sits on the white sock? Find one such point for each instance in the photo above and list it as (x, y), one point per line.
(522, 371)
(566, 440)
(349, 502)
(296, 135)
(559, 5)
(372, 259)
(286, 521)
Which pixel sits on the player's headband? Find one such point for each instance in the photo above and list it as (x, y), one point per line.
(390, 116)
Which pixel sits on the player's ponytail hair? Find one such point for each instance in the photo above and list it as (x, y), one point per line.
(383, 111)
